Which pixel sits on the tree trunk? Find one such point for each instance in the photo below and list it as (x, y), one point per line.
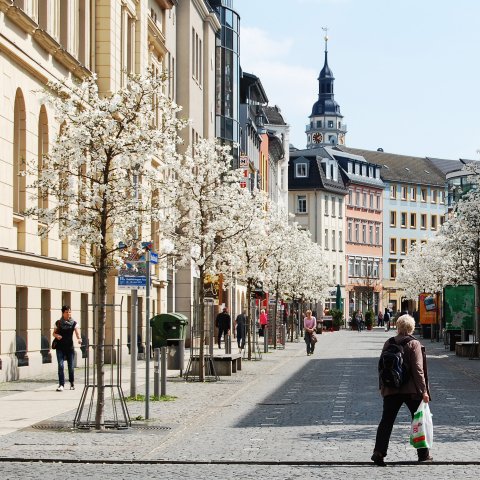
(100, 341)
(250, 320)
(201, 318)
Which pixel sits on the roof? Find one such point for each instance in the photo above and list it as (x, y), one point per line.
(274, 115)
(449, 166)
(316, 178)
(402, 168)
(251, 88)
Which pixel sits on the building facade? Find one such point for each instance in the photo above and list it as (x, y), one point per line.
(317, 201)
(414, 208)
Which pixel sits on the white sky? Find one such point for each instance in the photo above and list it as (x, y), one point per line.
(407, 72)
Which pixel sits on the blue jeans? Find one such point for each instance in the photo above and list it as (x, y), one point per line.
(61, 357)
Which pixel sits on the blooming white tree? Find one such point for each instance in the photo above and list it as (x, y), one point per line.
(208, 190)
(104, 146)
(453, 256)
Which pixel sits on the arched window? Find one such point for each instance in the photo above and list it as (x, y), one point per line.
(19, 154)
(42, 150)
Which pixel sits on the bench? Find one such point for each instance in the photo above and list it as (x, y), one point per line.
(466, 349)
(225, 364)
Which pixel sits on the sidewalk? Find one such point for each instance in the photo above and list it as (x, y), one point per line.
(24, 403)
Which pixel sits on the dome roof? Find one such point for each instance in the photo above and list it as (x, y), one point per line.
(325, 106)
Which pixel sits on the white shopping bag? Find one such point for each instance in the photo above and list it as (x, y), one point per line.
(421, 432)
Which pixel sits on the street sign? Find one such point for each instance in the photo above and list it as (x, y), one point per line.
(132, 281)
(153, 258)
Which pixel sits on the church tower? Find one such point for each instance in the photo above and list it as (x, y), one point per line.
(326, 122)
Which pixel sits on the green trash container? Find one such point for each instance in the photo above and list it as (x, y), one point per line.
(166, 326)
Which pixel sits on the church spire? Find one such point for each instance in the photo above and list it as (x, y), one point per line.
(326, 121)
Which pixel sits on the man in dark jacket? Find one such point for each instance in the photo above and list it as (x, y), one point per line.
(411, 393)
(222, 322)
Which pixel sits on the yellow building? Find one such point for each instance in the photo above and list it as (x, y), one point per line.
(44, 40)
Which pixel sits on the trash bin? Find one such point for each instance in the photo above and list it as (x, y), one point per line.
(176, 354)
(167, 326)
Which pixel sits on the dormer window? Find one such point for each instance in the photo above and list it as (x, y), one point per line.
(301, 170)
(349, 167)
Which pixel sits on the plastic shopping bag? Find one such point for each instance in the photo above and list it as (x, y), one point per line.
(421, 433)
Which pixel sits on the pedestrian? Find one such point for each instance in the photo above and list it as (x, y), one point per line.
(386, 320)
(63, 333)
(411, 392)
(359, 321)
(240, 327)
(263, 320)
(309, 325)
(380, 319)
(222, 322)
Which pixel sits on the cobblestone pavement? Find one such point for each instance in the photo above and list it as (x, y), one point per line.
(287, 416)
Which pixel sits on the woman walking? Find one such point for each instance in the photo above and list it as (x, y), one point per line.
(309, 324)
(63, 333)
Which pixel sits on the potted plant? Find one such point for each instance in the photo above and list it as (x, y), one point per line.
(369, 316)
(337, 316)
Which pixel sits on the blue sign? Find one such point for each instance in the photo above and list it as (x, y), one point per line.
(132, 281)
(153, 258)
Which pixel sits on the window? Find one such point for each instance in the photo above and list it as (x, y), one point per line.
(393, 245)
(413, 194)
(433, 222)
(319, 124)
(357, 267)
(351, 265)
(330, 124)
(371, 200)
(393, 191)
(370, 234)
(442, 196)
(333, 206)
(340, 208)
(350, 197)
(442, 219)
(364, 199)
(403, 219)
(326, 239)
(326, 205)
(357, 198)
(334, 274)
(413, 220)
(393, 271)
(334, 239)
(404, 192)
(403, 246)
(301, 170)
(378, 202)
(301, 204)
(423, 220)
(377, 235)
(340, 241)
(364, 233)
(413, 242)
(349, 232)
(357, 232)
(423, 194)
(340, 276)
(393, 219)
(434, 196)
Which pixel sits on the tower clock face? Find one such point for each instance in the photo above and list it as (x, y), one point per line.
(317, 137)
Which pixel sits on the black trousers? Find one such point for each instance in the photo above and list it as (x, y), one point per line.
(391, 406)
(241, 336)
(220, 332)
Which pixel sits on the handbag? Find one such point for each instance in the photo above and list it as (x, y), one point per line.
(421, 432)
(54, 344)
(313, 338)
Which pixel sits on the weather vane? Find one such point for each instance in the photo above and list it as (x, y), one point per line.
(325, 29)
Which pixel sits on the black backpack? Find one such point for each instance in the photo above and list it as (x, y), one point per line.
(392, 368)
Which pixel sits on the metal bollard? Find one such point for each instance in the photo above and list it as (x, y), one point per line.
(265, 340)
(228, 344)
(163, 364)
(156, 372)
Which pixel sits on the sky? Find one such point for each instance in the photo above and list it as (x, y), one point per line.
(407, 72)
